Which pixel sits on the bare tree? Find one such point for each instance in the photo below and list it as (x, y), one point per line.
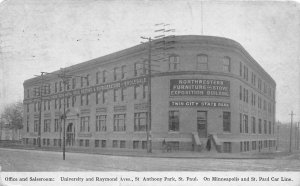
(13, 114)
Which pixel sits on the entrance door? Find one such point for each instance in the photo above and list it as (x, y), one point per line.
(202, 123)
(70, 135)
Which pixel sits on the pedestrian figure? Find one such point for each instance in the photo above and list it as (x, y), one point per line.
(164, 145)
(208, 144)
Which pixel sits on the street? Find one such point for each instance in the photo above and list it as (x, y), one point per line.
(33, 160)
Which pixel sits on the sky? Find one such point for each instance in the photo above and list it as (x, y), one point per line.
(45, 35)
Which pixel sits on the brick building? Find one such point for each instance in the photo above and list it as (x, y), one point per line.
(208, 93)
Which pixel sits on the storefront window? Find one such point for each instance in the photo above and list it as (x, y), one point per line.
(173, 120)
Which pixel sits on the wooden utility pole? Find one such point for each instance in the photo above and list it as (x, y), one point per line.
(291, 129)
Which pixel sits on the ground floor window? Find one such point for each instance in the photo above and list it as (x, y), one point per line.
(34, 141)
(136, 144)
(87, 143)
(115, 143)
(144, 144)
(241, 146)
(119, 122)
(48, 142)
(36, 126)
(55, 142)
(140, 121)
(44, 141)
(226, 121)
(174, 120)
(85, 124)
(253, 145)
(227, 147)
(103, 143)
(122, 144)
(101, 123)
(96, 143)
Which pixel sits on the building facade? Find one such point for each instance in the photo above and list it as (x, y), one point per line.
(207, 93)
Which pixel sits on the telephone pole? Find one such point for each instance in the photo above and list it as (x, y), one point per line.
(40, 109)
(291, 129)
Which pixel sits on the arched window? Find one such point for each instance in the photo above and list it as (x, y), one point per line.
(226, 64)
(202, 62)
(174, 62)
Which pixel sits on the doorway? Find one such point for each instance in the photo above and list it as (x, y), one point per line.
(202, 124)
(70, 135)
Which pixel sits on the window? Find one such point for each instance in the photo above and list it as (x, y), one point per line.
(115, 143)
(48, 104)
(135, 92)
(245, 122)
(73, 101)
(174, 120)
(265, 105)
(246, 73)
(227, 147)
(55, 103)
(27, 107)
(28, 95)
(241, 146)
(226, 64)
(174, 62)
(48, 142)
(259, 126)
(100, 123)
(98, 98)
(116, 94)
(202, 62)
(226, 121)
(140, 121)
(87, 143)
(119, 122)
(27, 124)
(145, 91)
(123, 94)
(140, 68)
(116, 72)
(85, 124)
(253, 79)
(97, 78)
(265, 126)
(104, 96)
(253, 125)
(56, 125)
(270, 127)
(144, 144)
(55, 87)
(73, 83)
(103, 143)
(253, 145)
(241, 69)
(47, 125)
(97, 142)
(259, 84)
(241, 123)
(60, 86)
(136, 144)
(85, 99)
(104, 76)
(241, 93)
(122, 144)
(123, 72)
(88, 80)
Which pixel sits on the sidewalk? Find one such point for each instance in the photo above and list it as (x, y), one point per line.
(159, 153)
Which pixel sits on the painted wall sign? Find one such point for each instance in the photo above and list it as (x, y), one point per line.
(199, 87)
(92, 89)
(199, 104)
